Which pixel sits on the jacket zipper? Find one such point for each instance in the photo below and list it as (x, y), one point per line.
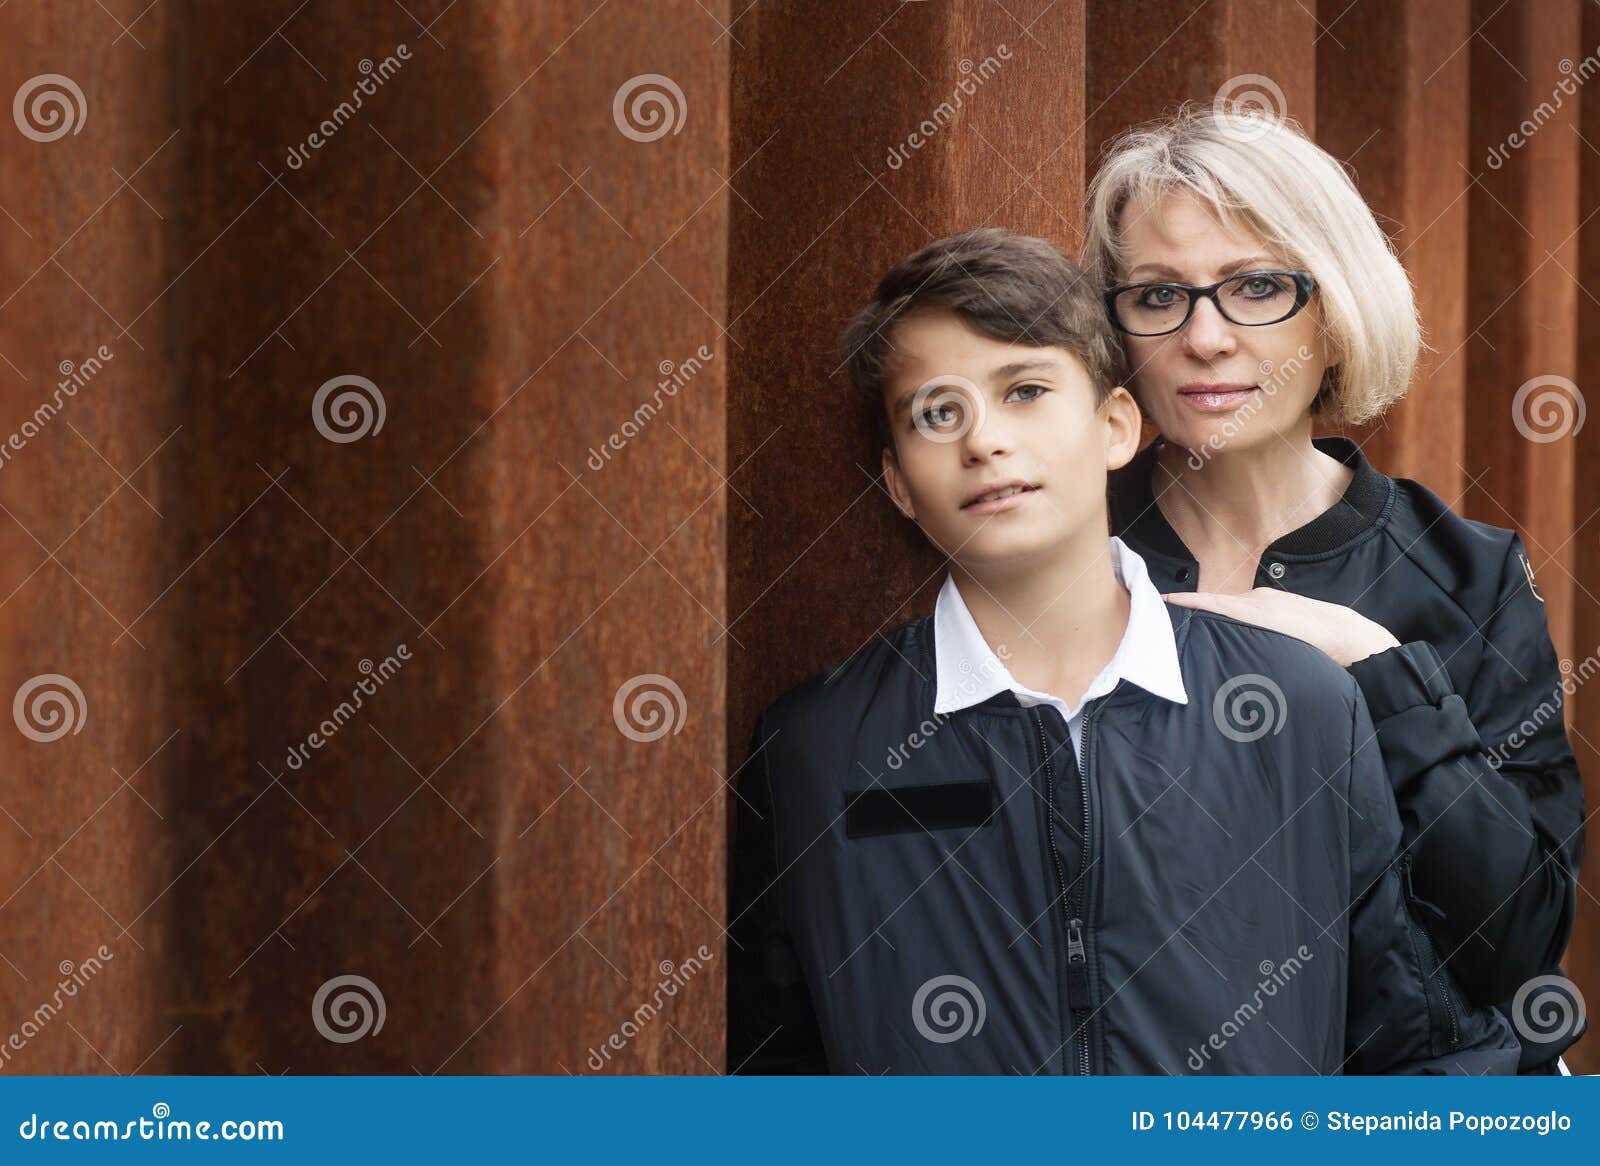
(1077, 963)
(1434, 975)
(1072, 909)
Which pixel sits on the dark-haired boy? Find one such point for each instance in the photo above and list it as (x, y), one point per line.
(1057, 825)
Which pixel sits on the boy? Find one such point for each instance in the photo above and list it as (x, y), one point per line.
(1059, 825)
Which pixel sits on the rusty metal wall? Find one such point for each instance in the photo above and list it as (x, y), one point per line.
(504, 241)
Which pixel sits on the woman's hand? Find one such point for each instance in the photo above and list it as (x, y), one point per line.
(1342, 632)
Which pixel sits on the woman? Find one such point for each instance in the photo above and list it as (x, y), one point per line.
(1255, 294)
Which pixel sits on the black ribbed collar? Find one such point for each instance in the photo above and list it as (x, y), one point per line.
(1136, 517)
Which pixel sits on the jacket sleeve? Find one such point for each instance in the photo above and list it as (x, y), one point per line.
(1405, 1013)
(772, 1027)
(1490, 799)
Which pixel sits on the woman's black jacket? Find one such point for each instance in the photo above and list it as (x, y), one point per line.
(1468, 711)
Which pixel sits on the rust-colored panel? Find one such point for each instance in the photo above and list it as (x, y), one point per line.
(1523, 297)
(1583, 708)
(1392, 91)
(1523, 350)
(86, 946)
(833, 189)
(1145, 60)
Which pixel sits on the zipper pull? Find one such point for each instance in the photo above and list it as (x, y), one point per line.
(1411, 892)
(1077, 966)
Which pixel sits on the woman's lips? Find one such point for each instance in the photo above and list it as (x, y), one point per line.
(1217, 398)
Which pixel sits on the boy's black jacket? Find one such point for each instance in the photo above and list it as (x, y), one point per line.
(1214, 896)
(1468, 710)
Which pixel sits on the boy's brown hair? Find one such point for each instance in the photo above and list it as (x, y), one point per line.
(1011, 287)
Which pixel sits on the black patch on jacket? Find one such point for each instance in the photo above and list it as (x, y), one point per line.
(897, 809)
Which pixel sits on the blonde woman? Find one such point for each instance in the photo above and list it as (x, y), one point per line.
(1255, 293)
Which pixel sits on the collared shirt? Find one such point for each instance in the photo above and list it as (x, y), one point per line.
(970, 673)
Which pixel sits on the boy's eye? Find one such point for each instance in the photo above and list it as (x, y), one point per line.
(948, 415)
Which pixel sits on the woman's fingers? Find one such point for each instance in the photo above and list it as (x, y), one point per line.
(1341, 632)
(1247, 607)
(1210, 600)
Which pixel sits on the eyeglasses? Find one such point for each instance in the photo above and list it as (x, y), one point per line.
(1252, 299)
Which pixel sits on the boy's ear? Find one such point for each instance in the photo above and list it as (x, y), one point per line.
(896, 482)
(1123, 423)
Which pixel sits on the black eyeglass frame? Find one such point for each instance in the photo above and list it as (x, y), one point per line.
(1304, 285)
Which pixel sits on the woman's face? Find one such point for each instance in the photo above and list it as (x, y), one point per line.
(1214, 385)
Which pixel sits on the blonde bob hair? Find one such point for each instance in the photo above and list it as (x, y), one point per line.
(1261, 174)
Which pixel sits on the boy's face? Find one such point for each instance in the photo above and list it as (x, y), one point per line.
(969, 412)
